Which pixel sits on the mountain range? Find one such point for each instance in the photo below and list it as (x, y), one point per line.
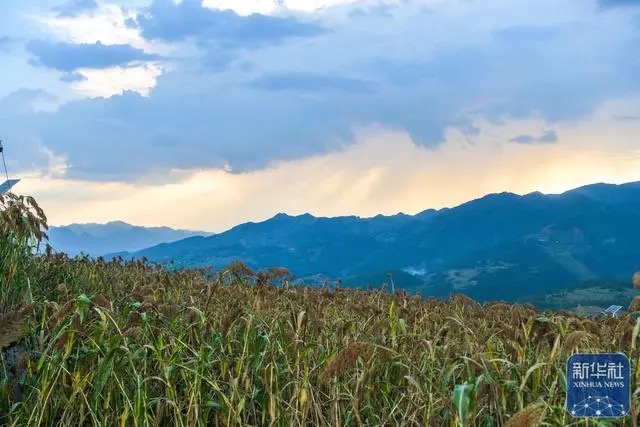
(114, 236)
(501, 246)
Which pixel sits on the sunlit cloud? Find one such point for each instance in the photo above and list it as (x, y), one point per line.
(147, 108)
(384, 171)
(116, 80)
(108, 25)
(58, 165)
(247, 7)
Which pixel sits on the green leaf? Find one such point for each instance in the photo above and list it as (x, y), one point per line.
(215, 405)
(461, 399)
(169, 370)
(84, 298)
(403, 326)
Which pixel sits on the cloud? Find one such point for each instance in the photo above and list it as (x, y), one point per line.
(25, 101)
(76, 7)
(105, 83)
(57, 164)
(5, 42)
(518, 70)
(382, 171)
(627, 118)
(68, 57)
(248, 7)
(528, 34)
(548, 137)
(73, 77)
(189, 20)
(302, 96)
(618, 3)
(110, 55)
(380, 10)
(109, 25)
(310, 82)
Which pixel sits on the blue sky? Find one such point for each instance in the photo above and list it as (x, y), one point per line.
(327, 106)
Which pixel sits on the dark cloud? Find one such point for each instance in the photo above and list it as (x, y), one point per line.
(75, 7)
(181, 125)
(165, 20)
(310, 82)
(196, 118)
(548, 137)
(69, 57)
(220, 34)
(522, 70)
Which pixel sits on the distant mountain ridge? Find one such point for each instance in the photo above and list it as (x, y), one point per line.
(115, 236)
(501, 246)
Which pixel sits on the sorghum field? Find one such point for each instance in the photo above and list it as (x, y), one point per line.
(132, 344)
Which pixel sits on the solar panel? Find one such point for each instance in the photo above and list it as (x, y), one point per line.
(613, 309)
(6, 186)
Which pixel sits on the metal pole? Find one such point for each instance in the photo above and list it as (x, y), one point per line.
(6, 172)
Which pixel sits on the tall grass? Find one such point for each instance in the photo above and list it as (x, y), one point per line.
(129, 343)
(21, 230)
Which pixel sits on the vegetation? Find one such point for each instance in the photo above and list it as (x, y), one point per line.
(21, 230)
(113, 343)
(517, 247)
(590, 296)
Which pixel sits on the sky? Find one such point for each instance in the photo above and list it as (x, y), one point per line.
(206, 114)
